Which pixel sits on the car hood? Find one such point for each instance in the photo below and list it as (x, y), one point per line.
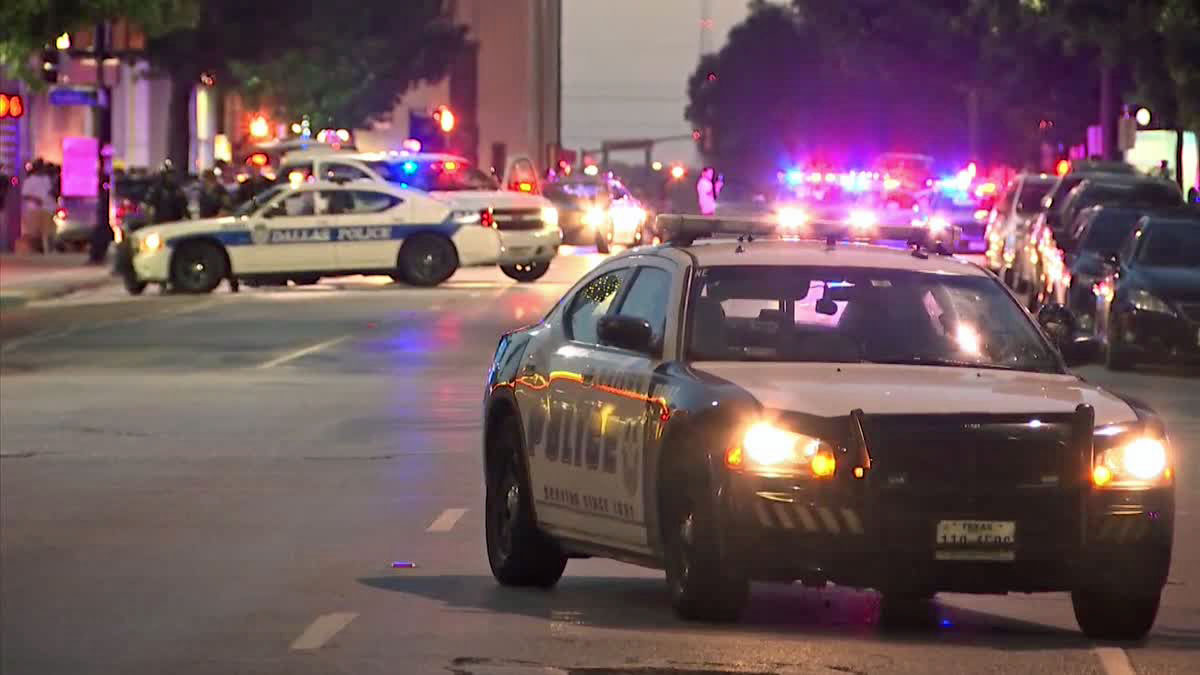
(182, 227)
(497, 199)
(1171, 283)
(832, 389)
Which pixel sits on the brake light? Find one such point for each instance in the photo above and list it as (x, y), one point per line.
(487, 218)
(525, 187)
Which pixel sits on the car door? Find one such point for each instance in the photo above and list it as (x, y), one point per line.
(364, 222)
(290, 234)
(570, 464)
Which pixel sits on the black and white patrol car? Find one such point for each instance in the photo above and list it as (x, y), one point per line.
(782, 410)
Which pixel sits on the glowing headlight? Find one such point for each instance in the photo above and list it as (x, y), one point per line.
(861, 219)
(151, 243)
(791, 218)
(765, 448)
(594, 216)
(1143, 460)
(938, 224)
(1147, 302)
(550, 216)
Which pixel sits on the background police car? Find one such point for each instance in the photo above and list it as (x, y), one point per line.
(528, 223)
(603, 438)
(313, 230)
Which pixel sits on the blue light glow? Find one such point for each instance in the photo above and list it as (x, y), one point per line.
(794, 176)
(409, 167)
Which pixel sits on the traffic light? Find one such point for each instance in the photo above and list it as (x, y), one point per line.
(50, 65)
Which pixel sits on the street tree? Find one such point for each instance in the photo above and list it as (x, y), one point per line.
(315, 75)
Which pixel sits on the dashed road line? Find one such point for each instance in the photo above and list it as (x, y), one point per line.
(305, 351)
(322, 629)
(1114, 661)
(445, 522)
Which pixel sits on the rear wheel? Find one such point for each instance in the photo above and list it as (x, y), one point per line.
(198, 268)
(133, 286)
(518, 553)
(306, 280)
(1107, 615)
(701, 587)
(526, 272)
(427, 260)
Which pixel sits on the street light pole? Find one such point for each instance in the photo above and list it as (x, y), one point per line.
(102, 234)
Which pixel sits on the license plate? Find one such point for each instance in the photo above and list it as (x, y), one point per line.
(975, 539)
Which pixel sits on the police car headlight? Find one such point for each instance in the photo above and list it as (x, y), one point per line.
(1141, 461)
(151, 243)
(466, 217)
(550, 216)
(862, 219)
(938, 224)
(791, 218)
(766, 449)
(594, 216)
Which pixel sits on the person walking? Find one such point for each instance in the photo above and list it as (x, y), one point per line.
(37, 200)
(706, 191)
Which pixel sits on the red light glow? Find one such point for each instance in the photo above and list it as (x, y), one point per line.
(1062, 167)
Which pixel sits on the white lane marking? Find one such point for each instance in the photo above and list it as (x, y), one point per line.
(445, 522)
(1114, 661)
(311, 349)
(322, 630)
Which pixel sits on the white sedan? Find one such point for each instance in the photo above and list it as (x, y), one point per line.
(310, 231)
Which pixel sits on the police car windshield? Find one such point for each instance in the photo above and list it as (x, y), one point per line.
(854, 315)
(254, 203)
(448, 175)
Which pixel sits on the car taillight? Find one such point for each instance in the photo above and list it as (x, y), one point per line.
(487, 218)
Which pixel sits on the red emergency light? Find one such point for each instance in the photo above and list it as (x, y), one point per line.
(257, 159)
(1062, 167)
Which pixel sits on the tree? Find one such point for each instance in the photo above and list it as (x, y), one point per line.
(391, 47)
(26, 26)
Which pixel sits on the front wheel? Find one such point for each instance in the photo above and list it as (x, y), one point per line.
(601, 242)
(427, 260)
(701, 587)
(133, 286)
(198, 268)
(526, 272)
(1108, 615)
(518, 553)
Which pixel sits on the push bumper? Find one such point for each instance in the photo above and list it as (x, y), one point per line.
(1120, 538)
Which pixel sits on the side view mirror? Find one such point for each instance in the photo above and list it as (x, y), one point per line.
(1059, 324)
(626, 332)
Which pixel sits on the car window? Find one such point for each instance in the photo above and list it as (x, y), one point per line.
(592, 302)
(1107, 230)
(297, 204)
(1032, 193)
(342, 172)
(648, 297)
(1171, 245)
(1130, 246)
(295, 173)
(853, 315)
(370, 201)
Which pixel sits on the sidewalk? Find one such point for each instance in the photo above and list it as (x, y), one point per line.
(30, 277)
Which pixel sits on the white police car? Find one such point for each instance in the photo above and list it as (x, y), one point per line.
(783, 410)
(310, 231)
(528, 223)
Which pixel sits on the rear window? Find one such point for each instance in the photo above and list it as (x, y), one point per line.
(1108, 230)
(1032, 194)
(1171, 244)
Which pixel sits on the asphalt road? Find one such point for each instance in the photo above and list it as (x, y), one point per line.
(222, 484)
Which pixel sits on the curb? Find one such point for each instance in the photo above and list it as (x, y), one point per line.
(18, 298)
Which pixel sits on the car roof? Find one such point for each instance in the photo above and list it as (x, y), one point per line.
(729, 252)
(397, 155)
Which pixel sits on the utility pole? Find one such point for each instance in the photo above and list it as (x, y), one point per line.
(102, 234)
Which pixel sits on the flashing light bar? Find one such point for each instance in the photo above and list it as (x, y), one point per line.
(683, 229)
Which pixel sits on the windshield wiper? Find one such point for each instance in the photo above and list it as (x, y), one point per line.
(935, 361)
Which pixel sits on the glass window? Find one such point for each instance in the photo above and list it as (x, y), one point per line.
(1107, 230)
(827, 314)
(343, 172)
(370, 201)
(294, 173)
(592, 302)
(1129, 247)
(1171, 245)
(648, 298)
(297, 204)
(1032, 193)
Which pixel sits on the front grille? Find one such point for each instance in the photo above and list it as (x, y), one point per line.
(1191, 310)
(972, 455)
(517, 219)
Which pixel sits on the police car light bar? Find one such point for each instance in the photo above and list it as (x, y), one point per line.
(685, 229)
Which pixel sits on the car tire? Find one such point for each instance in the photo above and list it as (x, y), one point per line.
(306, 280)
(526, 272)
(427, 260)
(702, 587)
(602, 242)
(518, 552)
(1116, 357)
(198, 267)
(133, 286)
(1108, 615)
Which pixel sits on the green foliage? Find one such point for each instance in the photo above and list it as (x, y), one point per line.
(26, 26)
(343, 68)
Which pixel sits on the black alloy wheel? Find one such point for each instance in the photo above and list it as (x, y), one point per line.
(702, 587)
(427, 260)
(1111, 615)
(526, 272)
(198, 268)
